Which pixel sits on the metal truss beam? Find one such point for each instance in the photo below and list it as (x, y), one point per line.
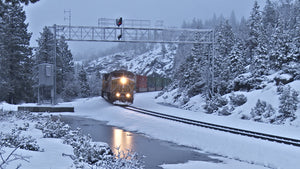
(134, 34)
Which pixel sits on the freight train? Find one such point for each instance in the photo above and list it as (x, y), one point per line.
(119, 86)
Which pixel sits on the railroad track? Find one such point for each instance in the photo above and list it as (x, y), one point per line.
(258, 135)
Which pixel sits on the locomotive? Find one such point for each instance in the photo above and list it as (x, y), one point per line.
(118, 86)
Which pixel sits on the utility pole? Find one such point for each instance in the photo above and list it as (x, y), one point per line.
(54, 68)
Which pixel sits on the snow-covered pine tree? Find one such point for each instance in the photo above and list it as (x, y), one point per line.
(254, 24)
(16, 83)
(45, 50)
(224, 42)
(236, 57)
(281, 47)
(65, 66)
(294, 68)
(95, 83)
(260, 65)
(192, 76)
(83, 83)
(269, 19)
(258, 45)
(296, 39)
(262, 112)
(288, 103)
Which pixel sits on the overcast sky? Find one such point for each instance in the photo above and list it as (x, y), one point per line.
(87, 12)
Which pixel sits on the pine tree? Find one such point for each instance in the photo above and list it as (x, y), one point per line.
(224, 43)
(255, 30)
(295, 53)
(65, 65)
(45, 50)
(95, 84)
(260, 65)
(269, 20)
(281, 53)
(193, 77)
(16, 62)
(262, 112)
(269, 17)
(83, 83)
(288, 103)
(236, 57)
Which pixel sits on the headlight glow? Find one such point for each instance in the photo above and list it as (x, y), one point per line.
(128, 95)
(118, 94)
(123, 80)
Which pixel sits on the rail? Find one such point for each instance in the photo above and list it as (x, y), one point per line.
(258, 135)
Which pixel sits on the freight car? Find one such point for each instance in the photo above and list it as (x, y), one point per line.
(151, 83)
(118, 86)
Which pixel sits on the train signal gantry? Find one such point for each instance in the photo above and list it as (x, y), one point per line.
(135, 31)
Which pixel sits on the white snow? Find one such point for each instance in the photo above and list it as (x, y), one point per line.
(226, 164)
(49, 157)
(233, 150)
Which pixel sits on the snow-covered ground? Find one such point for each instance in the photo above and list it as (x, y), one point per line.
(50, 155)
(234, 151)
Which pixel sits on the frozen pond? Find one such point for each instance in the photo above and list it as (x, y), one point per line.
(157, 152)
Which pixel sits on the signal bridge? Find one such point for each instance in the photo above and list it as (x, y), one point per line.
(133, 34)
(135, 31)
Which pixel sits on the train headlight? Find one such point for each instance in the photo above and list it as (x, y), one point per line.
(118, 94)
(128, 95)
(123, 80)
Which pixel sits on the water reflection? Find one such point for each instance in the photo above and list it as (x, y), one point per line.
(157, 152)
(122, 140)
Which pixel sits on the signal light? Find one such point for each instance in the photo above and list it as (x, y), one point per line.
(119, 21)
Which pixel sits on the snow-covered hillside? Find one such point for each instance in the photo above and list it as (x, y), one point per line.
(269, 93)
(158, 60)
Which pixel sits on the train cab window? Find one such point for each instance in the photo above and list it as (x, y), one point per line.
(118, 74)
(105, 76)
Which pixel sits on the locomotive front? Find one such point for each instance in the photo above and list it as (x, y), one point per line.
(120, 87)
(123, 88)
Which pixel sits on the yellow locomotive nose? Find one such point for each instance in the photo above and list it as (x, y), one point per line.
(123, 80)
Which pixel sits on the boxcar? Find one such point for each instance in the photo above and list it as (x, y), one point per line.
(141, 83)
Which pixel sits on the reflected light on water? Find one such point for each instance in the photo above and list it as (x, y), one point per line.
(121, 139)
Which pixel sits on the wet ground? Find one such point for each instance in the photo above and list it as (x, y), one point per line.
(156, 152)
